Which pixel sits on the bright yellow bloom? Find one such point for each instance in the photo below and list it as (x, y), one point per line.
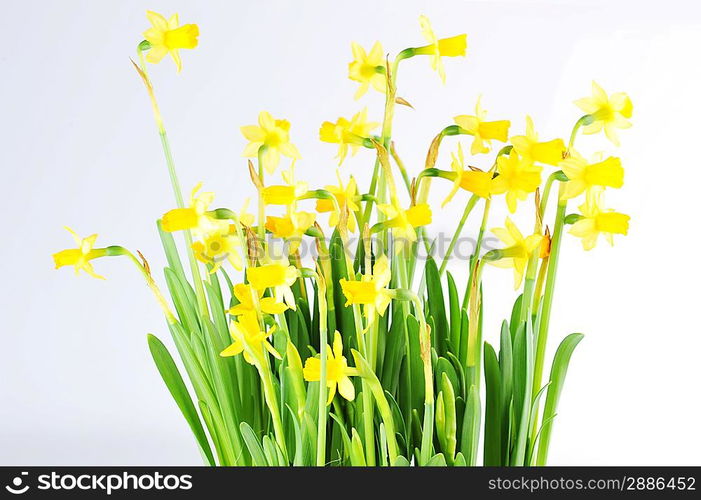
(195, 216)
(596, 220)
(167, 37)
(347, 133)
(284, 194)
(345, 197)
(337, 371)
(517, 178)
(404, 222)
(473, 180)
(290, 227)
(609, 113)
(276, 275)
(445, 47)
(517, 251)
(217, 247)
(483, 131)
(529, 147)
(249, 339)
(363, 69)
(80, 257)
(246, 305)
(583, 175)
(274, 136)
(371, 291)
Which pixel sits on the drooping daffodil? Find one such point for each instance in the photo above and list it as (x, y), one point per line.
(473, 180)
(596, 220)
(517, 178)
(584, 175)
(608, 112)
(352, 133)
(80, 257)
(483, 131)
(368, 69)
(337, 371)
(166, 36)
(249, 339)
(518, 249)
(529, 147)
(437, 48)
(273, 136)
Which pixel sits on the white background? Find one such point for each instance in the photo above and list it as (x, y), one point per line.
(78, 147)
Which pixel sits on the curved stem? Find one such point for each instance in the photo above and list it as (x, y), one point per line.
(468, 208)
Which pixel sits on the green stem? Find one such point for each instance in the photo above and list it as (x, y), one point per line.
(175, 184)
(368, 431)
(468, 208)
(542, 337)
(475, 255)
(321, 427)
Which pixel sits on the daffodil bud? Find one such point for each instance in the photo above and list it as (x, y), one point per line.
(572, 218)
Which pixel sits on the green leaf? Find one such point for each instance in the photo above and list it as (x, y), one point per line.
(174, 381)
(454, 307)
(437, 461)
(558, 372)
(469, 440)
(492, 426)
(523, 372)
(357, 455)
(450, 426)
(171, 251)
(344, 315)
(401, 461)
(253, 445)
(436, 306)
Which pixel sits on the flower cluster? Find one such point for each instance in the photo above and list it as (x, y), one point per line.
(416, 341)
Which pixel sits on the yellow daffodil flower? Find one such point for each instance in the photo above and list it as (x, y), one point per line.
(517, 251)
(368, 69)
(596, 220)
(347, 133)
(345, 197)
(273, 136)
(403, 223)
(583, 175)
(529, 147)
(250, 340)
(609, 113)
(284, 194)
(517, 178)
(246, 305)
(279, 276)
(80, 257)
(473, 180)
(371, 291)
(195, 216)
(446, 47)
(217, 247)
(337, 371)
(482, 131)
(291, 227)
(168, 37)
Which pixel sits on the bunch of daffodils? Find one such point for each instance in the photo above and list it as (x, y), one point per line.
(362, 353)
